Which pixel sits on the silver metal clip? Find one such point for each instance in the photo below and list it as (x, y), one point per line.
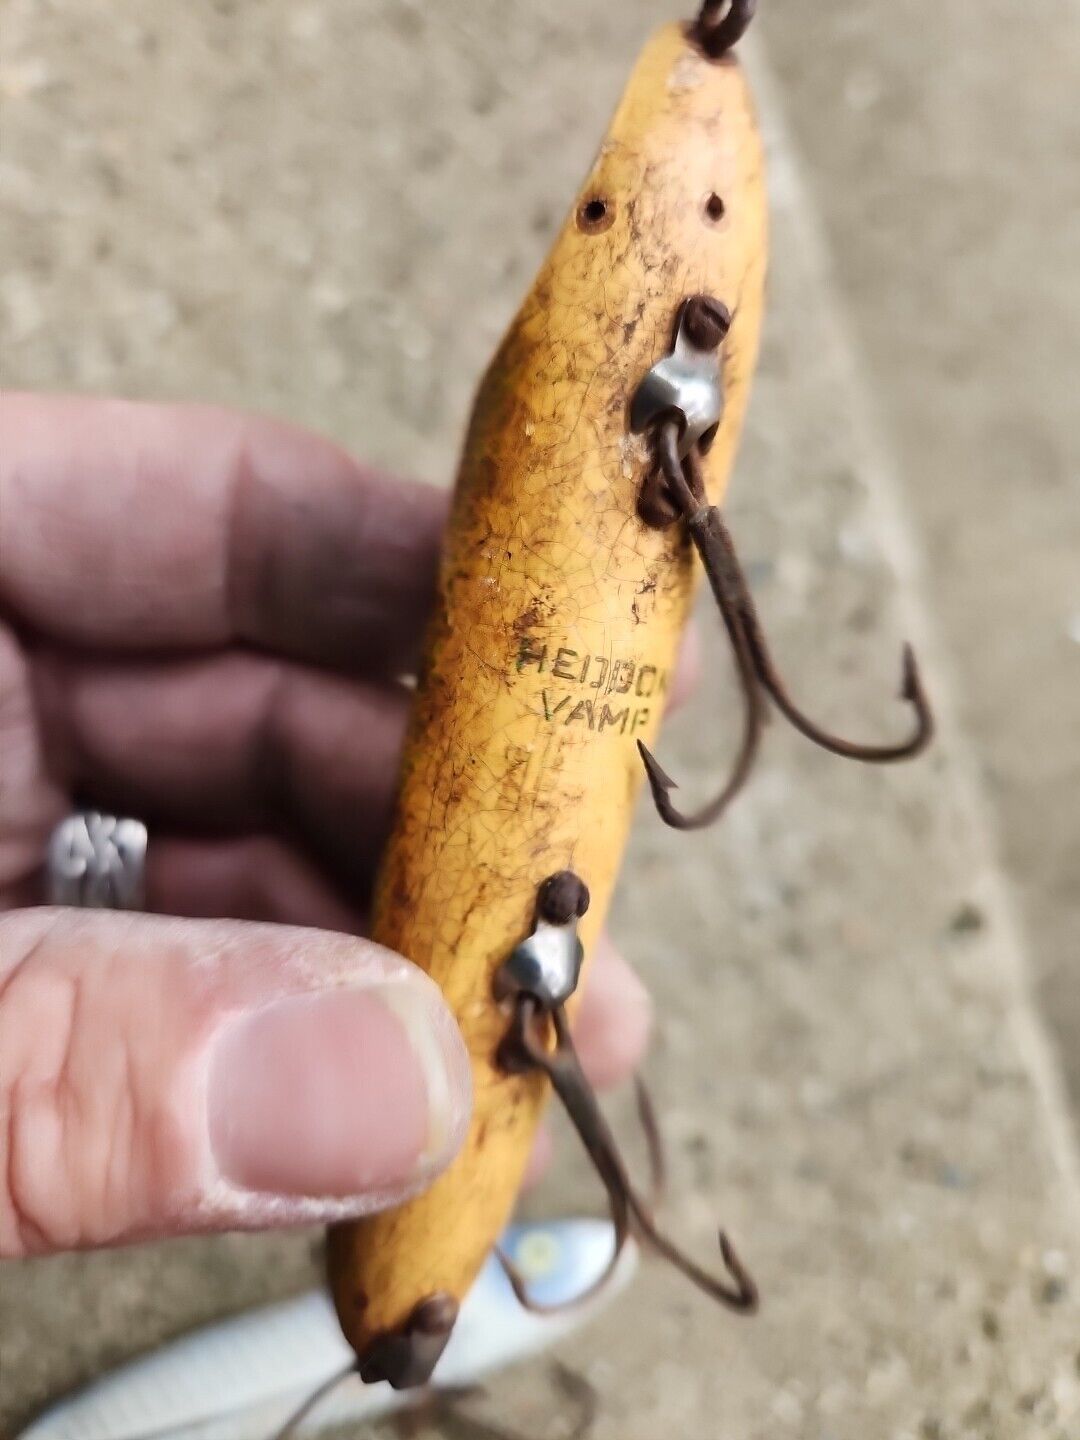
(687, 383)
(547, 964)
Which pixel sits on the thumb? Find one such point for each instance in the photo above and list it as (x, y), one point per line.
(160, 1077)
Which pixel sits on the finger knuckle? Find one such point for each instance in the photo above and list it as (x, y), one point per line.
(62, 1159)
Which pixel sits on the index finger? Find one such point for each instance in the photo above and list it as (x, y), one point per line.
(140, 526)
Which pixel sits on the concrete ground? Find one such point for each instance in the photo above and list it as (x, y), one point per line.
(868, 981)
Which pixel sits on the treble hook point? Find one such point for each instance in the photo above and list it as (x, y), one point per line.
(661, 783)
(911, 688)
(914, 693)
(749, 1296)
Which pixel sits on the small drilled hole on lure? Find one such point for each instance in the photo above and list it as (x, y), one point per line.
(595, 215)
(714, 208)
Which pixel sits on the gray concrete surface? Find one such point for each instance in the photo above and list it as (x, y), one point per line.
(943, 151)
(330, 211)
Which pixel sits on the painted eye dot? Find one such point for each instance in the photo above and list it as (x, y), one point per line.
(538, 1255)
(595, 215)
(714, 208)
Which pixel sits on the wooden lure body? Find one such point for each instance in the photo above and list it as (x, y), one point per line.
(557, 622)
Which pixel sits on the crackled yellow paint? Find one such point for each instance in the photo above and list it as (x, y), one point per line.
(558, 618)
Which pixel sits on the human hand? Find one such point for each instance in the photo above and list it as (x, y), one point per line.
(204, 621)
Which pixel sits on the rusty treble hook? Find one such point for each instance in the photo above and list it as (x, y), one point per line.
(676, 489)
(538, 977)
(525, 1048)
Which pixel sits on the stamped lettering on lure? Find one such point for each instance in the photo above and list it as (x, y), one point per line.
(601, 692)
